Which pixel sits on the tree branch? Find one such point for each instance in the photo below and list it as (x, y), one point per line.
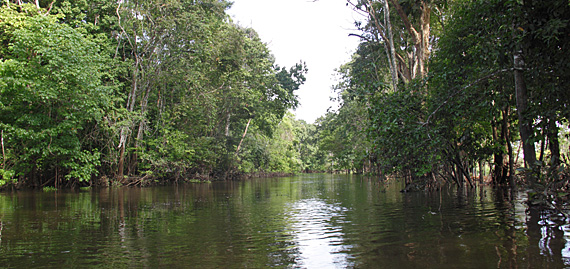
(243, 136)
(415, 35)
(462, 89)
(3, 152)
(403, 68)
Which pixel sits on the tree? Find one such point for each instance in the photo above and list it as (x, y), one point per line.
(407, 53)
(174, 90)
(51, 98)
(542, 34)
(472, 63)
(161, 40)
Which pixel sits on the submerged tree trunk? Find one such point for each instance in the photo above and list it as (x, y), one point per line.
(500, 171)
(553, 143)
(510, 153)
(3, 152)
(542, 145)
(462, 169)
(481, 175)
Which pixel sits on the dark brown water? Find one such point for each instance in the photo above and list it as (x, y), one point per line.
(308, 221)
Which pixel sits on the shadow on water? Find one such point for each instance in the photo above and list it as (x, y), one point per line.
(307, 221)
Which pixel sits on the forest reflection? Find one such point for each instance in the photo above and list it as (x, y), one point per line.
(307, 221)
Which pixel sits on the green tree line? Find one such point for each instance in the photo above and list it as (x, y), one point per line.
(136, 92)
(455, 90)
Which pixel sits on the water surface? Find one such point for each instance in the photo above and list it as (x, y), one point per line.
(307, 221)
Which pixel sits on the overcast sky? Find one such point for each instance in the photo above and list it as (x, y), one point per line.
(303, 30)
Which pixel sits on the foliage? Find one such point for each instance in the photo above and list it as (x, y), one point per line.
(7, 176)
(313, 157)
(462, 114)
(163, 90)
(278, 153)
(51, 96)
(342, 134)
(138, 91)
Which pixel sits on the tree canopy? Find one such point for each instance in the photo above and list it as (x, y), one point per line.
(136, 91)
(459, 90)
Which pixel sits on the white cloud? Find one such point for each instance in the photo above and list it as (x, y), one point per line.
(295, 30)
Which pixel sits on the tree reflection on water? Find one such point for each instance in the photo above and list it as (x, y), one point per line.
(307, 221)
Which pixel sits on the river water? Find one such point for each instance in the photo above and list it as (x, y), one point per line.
(307, 221)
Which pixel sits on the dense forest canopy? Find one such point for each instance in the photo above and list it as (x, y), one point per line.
(456, 91)
(136, 92)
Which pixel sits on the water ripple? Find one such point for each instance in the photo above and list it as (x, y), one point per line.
(317, 229)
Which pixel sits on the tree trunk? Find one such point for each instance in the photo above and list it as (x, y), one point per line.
(227, 125)
(499, 158)
(481, 175)
(419, 39)
(403, 70)
(243, 136)
(423, 54)
(393, 66)
(462, 170)
(387, 37)
(509, 146)
(125, 130)
(553, 143)
(3, 152)
(525, 126)
(140, 132)
(542, 145)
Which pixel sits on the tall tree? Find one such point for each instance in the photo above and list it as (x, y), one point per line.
(52, 96)
(154, 36)
(408, 54)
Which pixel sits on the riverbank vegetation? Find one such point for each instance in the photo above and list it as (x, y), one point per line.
(457, 91)
(137, 92)
(140, 92)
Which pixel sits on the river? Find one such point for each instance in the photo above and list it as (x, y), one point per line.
(306, 221)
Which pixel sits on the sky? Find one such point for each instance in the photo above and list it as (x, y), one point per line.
(302, 30)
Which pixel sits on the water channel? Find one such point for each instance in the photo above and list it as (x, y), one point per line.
(307, 221)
